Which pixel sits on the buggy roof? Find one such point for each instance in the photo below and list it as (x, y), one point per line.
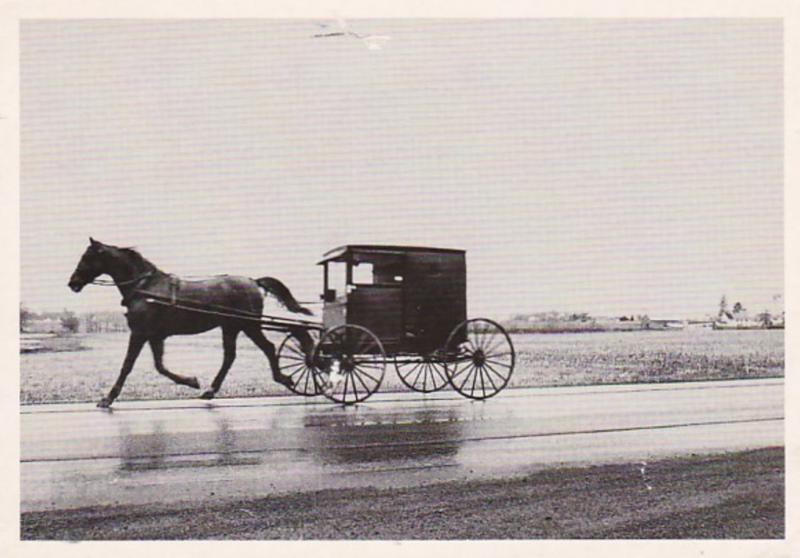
(343, 253)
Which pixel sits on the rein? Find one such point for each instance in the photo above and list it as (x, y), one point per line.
(112, 283)
(138, 279)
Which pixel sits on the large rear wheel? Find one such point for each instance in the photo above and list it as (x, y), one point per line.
(351, 363)
(480, 358)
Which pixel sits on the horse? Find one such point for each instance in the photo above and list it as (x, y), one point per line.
(238, 299)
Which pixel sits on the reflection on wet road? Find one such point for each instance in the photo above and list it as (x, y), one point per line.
(144, 452)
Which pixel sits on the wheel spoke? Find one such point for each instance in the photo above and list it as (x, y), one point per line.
(499, 375)
(353, 381)
(289, 357)
(289, 365)
(474, 379)
(416, 378)
(369, 346)
(294, 349)
(319, 381)
(411, 370)
(483, 385)
(504, 365)
(297, 372)
(440, 373)
(489, 377)
(344, 395)
(365, 386)
(480, 335)
(377, 381)
(481, 338)
(466, 378)
(457, 372)
(496, 346)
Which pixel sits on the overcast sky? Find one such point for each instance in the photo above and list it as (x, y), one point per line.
(602, 166)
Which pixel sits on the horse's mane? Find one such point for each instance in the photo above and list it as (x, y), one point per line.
(137, 258)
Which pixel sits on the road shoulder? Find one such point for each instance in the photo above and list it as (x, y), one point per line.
(729, 496)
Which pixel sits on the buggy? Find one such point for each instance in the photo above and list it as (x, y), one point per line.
(401, 305)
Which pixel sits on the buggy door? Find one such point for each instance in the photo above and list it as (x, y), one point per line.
(375, 296)
(378, 308)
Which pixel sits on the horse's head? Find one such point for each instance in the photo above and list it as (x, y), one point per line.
(96, 260)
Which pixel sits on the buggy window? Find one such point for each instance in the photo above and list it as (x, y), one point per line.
(337, 277)
(363, 274)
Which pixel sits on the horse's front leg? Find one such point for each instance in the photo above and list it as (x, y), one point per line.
(229, 346)
(135, 344)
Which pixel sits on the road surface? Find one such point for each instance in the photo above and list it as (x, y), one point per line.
(74, 455)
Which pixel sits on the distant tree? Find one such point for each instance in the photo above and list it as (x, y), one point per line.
(738, 308)
(765, 318)
(25, 316)
(723, 306)
(70, 322)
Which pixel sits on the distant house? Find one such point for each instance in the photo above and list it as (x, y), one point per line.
(737, 320)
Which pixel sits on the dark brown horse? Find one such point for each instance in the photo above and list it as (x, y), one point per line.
(137, 280)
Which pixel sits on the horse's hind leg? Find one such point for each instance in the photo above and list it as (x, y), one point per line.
(157, 345)
(135, 344)
(229, 345)
(257, 336)
(306, 341)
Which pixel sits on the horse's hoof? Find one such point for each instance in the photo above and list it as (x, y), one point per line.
(104, 403)
(208, 394)
(193, 383)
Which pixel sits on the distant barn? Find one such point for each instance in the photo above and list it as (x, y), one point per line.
(663, 324)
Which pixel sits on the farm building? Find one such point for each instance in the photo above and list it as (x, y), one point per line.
(663, 323)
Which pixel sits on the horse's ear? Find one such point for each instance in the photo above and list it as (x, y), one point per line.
(97, 246)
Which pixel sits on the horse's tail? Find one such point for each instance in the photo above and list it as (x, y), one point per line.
(282, 293)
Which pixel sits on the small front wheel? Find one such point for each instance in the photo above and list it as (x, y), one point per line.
(294, 360)
(351, 363)
(480, 358)
(424, 374)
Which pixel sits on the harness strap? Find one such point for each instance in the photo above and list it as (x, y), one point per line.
(173, 289)
(112, 283)
(127, 299)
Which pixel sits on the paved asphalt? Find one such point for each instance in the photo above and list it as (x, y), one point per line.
(75, 455)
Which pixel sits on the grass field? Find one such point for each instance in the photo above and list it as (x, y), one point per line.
(542, 360)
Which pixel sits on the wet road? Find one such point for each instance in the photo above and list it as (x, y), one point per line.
(175, 451)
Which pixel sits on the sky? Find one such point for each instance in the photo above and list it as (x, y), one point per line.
(603, 166)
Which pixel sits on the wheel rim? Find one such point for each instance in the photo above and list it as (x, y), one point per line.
(352, 363)
(292, 362)
(425, 375)
(480, 358)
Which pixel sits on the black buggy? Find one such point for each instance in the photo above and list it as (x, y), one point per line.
(398, 304)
